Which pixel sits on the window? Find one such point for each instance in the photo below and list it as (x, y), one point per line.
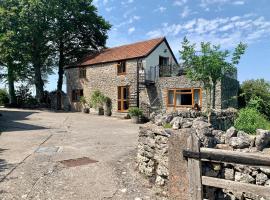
(184, 98)
(76, 95)
(121, 68)
(163, 61)
(82, 72)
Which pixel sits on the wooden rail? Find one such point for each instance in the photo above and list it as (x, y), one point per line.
(196, 155)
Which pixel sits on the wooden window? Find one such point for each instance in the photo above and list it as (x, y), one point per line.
(121, 68)
(123, 98)
(163, 61)
(82, 72)
(76, 95)
(188, 97)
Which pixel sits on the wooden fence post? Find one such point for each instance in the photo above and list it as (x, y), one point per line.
(178, 165)
(194, 168)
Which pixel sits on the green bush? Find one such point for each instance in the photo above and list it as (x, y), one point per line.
(249, 120)
(97, 99)
(167, 125)
(135, 112)
(3, 97)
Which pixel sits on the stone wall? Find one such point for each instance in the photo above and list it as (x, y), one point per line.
(153, 153)
(104, 78)
(225, 93)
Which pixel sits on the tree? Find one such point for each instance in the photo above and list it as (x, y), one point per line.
(77, 29)
(35, 17)
(11, 57)
(256, 94)
(209, 65)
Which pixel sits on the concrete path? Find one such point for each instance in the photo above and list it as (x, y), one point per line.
(33, 143)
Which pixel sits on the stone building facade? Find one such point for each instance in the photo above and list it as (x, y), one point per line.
(149, 74)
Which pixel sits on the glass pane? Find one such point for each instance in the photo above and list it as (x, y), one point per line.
(186, 99)
(170, 97)
(125, 93)
(125, 105)
(197, 96)
(119, 105)
(119, 92)
(178, 99)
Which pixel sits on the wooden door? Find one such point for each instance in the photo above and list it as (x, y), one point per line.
(123, 98)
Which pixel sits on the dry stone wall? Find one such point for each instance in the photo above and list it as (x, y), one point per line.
(153, 153)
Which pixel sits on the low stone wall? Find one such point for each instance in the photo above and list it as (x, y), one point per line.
(222, 119)
(153, 152)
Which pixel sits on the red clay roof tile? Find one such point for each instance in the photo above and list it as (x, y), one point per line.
(135, 50)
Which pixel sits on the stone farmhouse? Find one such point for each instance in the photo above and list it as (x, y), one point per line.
(142, 73)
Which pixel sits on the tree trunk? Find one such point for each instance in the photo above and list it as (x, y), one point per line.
(214, 96)
(36, 61)
(208, 103)
(11, 88)
(60, 75)
(39, 84)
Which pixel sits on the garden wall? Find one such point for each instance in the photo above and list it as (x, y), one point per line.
(154, 152)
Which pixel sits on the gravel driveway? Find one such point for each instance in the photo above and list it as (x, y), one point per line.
(33, 145)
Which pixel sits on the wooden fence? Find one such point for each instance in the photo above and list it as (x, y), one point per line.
(194, 156)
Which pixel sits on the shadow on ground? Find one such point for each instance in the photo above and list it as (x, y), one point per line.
(13, 121)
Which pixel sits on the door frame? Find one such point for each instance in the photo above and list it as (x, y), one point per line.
(121, 99)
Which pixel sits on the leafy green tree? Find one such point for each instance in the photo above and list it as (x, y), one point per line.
(256, 94)
(35, 17)
(209, 65)
(11, 57)
(77, 29)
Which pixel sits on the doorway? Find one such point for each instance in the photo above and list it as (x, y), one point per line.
(123, 98)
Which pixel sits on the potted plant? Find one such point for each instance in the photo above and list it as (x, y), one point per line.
(97, 101)
(83, 102)
(107, 106)
(135, 114)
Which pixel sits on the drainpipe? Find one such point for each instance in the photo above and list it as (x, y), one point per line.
(138, 86)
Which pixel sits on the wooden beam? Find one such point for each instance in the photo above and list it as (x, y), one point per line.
(218, 155)
(236, 186)
(194, 169)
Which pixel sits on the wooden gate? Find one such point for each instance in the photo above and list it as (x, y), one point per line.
(196, 155)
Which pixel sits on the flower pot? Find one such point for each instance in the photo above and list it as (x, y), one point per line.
(135, 119)
(100, 111)
(107, 111)
(86, 110)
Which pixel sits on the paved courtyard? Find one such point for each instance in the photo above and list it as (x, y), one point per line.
(33, 144)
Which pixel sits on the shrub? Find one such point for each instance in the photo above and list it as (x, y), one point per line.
(135, 111)
(3, 97)
(83, 101)
(108, 106)
(249, 120)
(97, 99)
(256, 93)
(167, 125)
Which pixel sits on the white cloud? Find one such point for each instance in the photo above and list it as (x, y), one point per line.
(239, 3)
(125, 3)
(206, 3)
(131, 20)
(185, 12)
(160, 9)
(225, 31)
(179, 2)
(109, 9)
(131, 30)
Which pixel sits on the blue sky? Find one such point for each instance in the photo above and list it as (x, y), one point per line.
(224, 22)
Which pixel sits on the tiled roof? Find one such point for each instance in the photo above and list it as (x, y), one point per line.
(135, 50)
